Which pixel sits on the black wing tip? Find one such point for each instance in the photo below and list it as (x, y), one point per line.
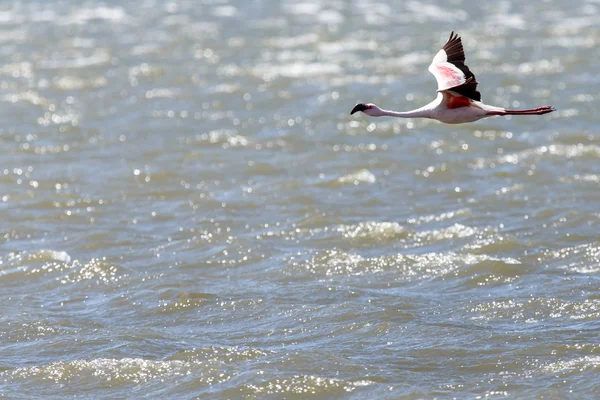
(453, 37)
(468, 90)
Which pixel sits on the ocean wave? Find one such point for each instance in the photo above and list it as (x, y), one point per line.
(24, 266)
(405, 267)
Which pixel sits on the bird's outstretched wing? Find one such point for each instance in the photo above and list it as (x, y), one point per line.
(451, 72)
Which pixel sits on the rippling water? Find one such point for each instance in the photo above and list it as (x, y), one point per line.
(188, 210)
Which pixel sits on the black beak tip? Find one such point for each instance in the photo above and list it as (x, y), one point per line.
(358, 107)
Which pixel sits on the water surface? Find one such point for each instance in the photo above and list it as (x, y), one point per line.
(188, 210)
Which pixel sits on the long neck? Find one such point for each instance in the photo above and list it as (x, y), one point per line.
(427, 111)
(418, 113)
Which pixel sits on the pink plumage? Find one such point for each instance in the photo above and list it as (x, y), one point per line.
(458, 100)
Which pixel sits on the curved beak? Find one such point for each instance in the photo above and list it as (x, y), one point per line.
(357, 108)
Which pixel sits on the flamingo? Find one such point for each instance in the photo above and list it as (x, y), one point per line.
(458, 100)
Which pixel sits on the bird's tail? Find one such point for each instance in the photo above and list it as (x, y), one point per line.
(531, 111)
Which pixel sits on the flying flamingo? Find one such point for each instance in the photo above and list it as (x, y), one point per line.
(458, 100)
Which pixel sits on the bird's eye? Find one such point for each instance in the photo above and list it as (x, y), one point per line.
(369, 107)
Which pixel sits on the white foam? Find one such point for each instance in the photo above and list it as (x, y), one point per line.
(358, 177)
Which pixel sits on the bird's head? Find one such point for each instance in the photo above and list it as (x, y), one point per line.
(370, 109)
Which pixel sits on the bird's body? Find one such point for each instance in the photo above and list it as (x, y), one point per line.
(458, 100)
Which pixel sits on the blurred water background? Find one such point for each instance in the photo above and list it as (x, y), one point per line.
(188, 211)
